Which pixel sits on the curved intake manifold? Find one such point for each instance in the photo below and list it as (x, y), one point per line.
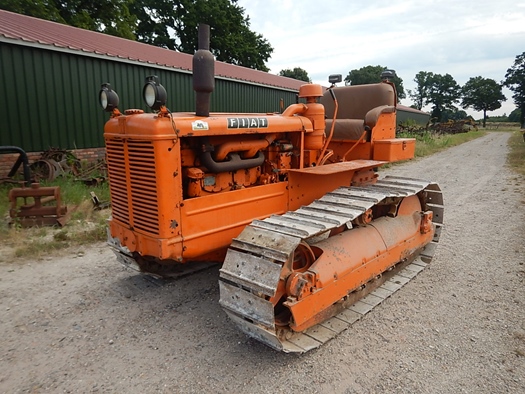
(229, 151)
(233, 164)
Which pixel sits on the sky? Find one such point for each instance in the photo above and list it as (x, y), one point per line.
(462, 38)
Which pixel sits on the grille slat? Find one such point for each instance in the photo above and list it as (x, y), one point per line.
(145, 209)
(144, 193)
(139, 184)
(141, 166)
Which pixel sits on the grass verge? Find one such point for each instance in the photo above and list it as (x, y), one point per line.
(516, 160)
(516, 157)
(428, 143)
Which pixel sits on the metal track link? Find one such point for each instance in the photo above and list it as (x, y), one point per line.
(251, 271)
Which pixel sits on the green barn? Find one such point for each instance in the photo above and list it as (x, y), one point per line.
(51, 75)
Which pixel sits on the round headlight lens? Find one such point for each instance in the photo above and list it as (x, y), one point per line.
(154, 93)
(149, 95)
(103, 99)
(108, 98)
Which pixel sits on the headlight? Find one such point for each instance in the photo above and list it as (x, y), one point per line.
(154, 93)
(107, 98)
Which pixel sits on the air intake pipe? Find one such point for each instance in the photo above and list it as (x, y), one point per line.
(203, 72)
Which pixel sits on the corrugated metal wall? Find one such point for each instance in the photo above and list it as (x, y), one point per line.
(50, 98)
(420, 119)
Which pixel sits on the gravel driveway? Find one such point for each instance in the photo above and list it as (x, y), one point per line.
(79, 322)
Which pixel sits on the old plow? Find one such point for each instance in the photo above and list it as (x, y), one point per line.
(32, 204)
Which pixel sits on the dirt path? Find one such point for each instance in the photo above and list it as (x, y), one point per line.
(82, 323)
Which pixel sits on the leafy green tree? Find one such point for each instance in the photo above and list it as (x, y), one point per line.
(440, 91)
(515, 115)
(443, 93)
(231, 39)
(515, 80)
(372, 74)
(105, 16)
(41, 9)
(296, 73)
(169, 24)
(456, 114)
(423, 82)
(482, 94)
(500, 118)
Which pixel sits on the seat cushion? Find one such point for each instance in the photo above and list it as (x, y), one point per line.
(346, 129)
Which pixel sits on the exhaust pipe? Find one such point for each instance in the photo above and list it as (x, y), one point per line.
(203, 72)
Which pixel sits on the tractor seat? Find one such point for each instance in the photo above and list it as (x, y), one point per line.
(359, 107)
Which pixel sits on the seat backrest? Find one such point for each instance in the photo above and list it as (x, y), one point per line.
(355, 101)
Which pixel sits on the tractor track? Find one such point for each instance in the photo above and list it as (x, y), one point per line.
(253, 264)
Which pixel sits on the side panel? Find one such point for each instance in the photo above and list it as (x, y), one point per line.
(385, 127)
(210, 222)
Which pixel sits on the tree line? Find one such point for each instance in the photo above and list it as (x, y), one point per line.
(442, 92)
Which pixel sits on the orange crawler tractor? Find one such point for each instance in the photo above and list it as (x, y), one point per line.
(291, 203)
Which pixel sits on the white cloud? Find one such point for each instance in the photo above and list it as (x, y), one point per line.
(462, 38)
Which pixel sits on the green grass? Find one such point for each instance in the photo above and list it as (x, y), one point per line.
(516, 157)
(83, 224)
(428, 143)
(72, 193)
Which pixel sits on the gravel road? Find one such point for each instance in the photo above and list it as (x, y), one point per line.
(79, 322)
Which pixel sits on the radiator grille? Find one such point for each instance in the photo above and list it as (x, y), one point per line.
(139, 168)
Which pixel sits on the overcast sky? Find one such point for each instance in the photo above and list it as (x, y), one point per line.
(463, 38)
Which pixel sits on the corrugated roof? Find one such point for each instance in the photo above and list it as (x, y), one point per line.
(28, 29)
(410, 109)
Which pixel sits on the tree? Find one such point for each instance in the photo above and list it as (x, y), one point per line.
(482, 94)
(105, 16)
(515, 80)
(515, 115)
(296, 73)
(443, 93)
(169, 24)
(231, 39)
(456, 114)
(36, 8)
(440, 91)
(423, 80)
(372, 74)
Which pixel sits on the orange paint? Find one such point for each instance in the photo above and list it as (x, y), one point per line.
(167, 204)
(183, 186)
(353, 258)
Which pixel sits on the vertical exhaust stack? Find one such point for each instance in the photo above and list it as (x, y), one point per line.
(203, 72)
